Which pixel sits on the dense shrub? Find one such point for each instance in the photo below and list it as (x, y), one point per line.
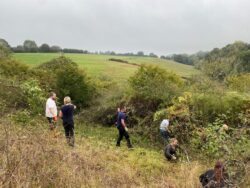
(194, 111)
(61, 62)
(181, 118)
(73, 82)
(203, 84)
(10, 94)
(152, 86)
(64, 77)
(207, 107)
(11, 68)
(214, 141)
(4, 52)
(239, 83)
(34, 96)
(203, 108)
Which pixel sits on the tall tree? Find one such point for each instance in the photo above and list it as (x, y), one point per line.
(55, 48)
(44, 48)
(4, 43)
(140, 53)
(30, 46)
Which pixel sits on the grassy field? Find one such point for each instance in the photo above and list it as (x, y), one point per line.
(99, 65)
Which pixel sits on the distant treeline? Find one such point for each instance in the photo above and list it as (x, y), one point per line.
(185, 58)
(30, 46)
(139, 53)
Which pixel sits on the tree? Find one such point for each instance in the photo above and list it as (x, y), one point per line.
(69, 50)
(244, 65)
(18, 49)
(44, 48)
(4, 52)
(30, 46)
(232, 59)
(140, 53)
(63, 76)
(55, 48)
(4, 43)
(152, 55)
(73, 82)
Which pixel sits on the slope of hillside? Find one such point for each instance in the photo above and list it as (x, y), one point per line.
(34, 156)
(100, 64)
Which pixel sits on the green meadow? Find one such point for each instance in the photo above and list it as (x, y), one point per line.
(99, 65)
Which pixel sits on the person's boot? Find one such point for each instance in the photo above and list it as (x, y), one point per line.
(72, 141)
(129, 144)
(118, 144)
(68, 140)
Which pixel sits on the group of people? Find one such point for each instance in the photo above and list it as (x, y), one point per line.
(66, 113)
(172, 145)
(212, 178)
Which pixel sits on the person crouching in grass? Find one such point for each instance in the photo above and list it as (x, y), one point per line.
(67, 113)
(170, 150)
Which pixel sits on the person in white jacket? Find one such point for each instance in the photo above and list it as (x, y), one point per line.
(51, 110)
(164, 130)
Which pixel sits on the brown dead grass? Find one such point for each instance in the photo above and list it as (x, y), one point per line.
(35, 157)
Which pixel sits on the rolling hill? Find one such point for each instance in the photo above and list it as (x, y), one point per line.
(99, 65)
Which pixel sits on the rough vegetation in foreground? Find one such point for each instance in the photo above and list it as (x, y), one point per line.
(32, 156)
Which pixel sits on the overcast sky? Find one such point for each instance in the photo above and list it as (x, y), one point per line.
(160, 26)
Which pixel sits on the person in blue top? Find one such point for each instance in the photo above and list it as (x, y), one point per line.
(122, 128)
(66, 113)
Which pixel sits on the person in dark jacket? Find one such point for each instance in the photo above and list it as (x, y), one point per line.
(122, 128)
(215, 178)
(66, 113)
(170, 150)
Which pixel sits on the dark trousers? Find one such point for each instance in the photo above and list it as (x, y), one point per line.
(52, 124)
(123, 133)
(165, 136)
(69, 132)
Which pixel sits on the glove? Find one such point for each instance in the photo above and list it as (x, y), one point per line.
(55, 118)
(126, 129)
(173, 157)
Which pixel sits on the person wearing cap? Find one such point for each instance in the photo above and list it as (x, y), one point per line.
(164, 130)
(67, 113)
(51, 110)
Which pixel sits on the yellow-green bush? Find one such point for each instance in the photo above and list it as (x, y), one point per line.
(239, 83)
(152, 86)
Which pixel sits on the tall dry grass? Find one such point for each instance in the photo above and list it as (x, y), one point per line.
(33, 156)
